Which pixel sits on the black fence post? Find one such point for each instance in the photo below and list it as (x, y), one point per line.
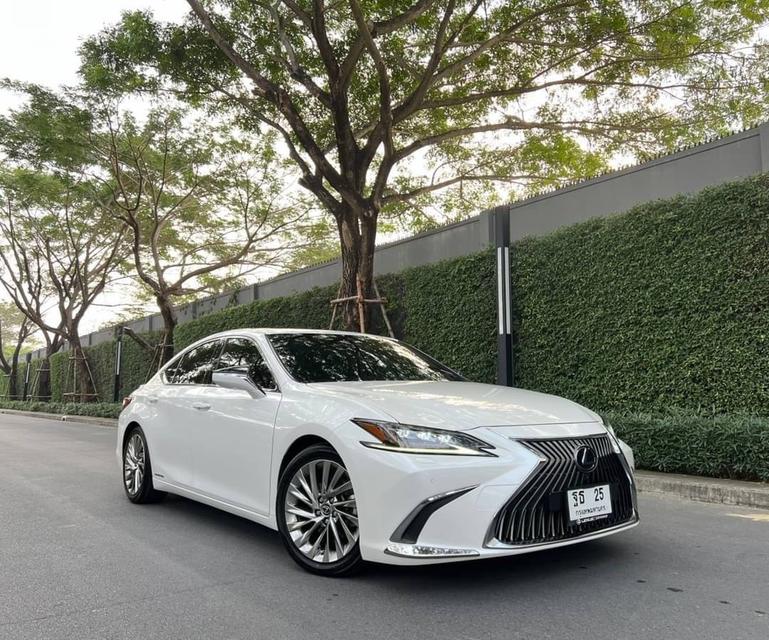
(501, 230)
(25, 391)
(118, 363)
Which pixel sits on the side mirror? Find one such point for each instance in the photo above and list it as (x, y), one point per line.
(237, 379)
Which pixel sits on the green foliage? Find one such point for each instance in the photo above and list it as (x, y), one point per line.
(308, 310)
(450, 313)
(658, 317)
(94, 409)
(446, 309)
(101, 360)
(728, 446)
(137, 363)
(665, 306)
(466, 95)
(61, 375)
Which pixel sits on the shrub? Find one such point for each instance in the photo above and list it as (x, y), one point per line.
(450, 312)
(728, 446)
(95, 409)
(658, 316)
(446, 309)
(308, 310)
(665, 306)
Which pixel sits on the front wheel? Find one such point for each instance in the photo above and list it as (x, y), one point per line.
(317, 513)
(137, 469)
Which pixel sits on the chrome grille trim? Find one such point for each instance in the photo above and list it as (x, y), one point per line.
(528, 517)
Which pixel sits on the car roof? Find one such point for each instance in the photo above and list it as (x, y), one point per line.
(273, 330)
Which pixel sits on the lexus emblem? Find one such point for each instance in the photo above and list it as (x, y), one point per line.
(586, 459)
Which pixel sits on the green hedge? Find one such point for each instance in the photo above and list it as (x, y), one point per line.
(20, 373)
(307, 310)
(447, 309)
(659, 316)
(101, 359)
(729, 446)
(450, 313)
(95, 409)
(665, 306)
(60, 376)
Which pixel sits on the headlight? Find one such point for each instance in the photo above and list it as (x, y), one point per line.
(406, 438)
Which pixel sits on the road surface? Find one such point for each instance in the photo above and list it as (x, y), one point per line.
(77, 560)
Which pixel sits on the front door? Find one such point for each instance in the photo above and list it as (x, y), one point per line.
(232, 432)
(172, 447)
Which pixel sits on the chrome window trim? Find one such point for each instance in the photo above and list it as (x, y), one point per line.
(181, 356)
(261, 353)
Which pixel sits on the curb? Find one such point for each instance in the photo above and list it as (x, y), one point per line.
(698, 489)
(92, 420)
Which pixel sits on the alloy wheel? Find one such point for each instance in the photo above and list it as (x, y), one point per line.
(320, 511)
(134, 461)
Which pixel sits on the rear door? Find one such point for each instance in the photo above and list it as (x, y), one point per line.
(232, 432)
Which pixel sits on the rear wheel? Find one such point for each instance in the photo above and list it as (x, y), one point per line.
(317, 513)
(137, 469)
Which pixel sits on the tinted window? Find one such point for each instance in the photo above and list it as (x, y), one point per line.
(198, 364)
(242, 353)
(317, 357)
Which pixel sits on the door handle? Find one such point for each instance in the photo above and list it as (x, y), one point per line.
(152, 399)
(201, 406)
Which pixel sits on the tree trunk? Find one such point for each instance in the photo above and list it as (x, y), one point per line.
(13, 382)
(170, 321)
(357, 235)
(44, 377)
(82, 383)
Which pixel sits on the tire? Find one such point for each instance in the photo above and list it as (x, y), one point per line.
(137, 469)
(320, 531)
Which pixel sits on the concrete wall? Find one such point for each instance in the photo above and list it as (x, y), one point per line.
(738, 156)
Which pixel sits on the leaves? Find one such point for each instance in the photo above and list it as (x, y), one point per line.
(728, 446)
(431, 97)
(664, 306)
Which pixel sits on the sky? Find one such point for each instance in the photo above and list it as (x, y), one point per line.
(39, 39)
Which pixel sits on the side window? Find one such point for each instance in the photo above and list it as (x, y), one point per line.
(242, 353)
(169, 374)
(197, 365)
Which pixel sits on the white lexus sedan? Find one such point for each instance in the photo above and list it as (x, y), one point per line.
(361, 448)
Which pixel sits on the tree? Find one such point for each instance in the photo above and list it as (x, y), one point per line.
(15, 330)
(59, 248)
(383, 106)
(204, 206)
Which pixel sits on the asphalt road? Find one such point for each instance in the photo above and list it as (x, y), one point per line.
(77, 560)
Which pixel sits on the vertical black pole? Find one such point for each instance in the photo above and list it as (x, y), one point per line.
(26, 376)
(118, 363)
(501, 225)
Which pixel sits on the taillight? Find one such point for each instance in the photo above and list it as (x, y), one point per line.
(126, 401)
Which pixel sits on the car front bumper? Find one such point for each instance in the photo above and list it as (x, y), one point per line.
(463, 495)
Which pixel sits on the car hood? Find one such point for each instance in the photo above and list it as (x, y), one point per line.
(458, 405)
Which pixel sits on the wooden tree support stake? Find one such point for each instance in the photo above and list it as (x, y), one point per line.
(77, 394)
(34, 391)
(360, 302)
(157, 359)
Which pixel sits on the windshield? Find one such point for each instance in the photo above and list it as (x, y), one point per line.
(324, 357)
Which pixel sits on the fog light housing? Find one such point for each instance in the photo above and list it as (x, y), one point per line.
(426, 551)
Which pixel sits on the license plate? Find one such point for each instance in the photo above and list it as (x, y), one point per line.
(590, 503)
